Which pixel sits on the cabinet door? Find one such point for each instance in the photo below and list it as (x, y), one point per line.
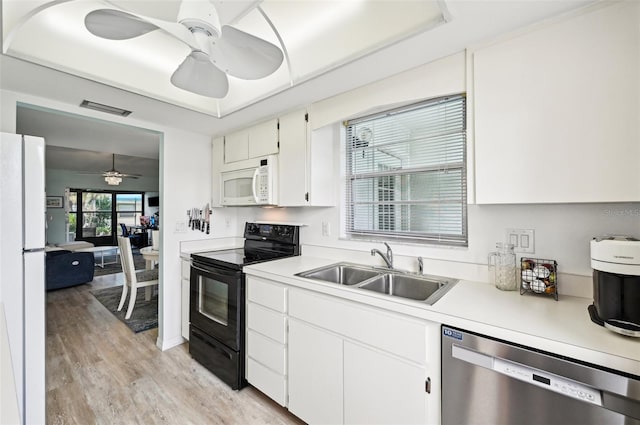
(315, 374)
(263, 139)
(556, 112)
(236, 146)
(293, 160)
(381, 389)
(217, 159)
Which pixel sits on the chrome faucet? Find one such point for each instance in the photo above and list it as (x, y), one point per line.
(388, 258)
(420, 265)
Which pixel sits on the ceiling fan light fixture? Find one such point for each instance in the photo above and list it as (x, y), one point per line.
(104, 108)
(113, 180)
(197, 15)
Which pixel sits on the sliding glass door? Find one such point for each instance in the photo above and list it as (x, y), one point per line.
(95, 216)
(129, 209)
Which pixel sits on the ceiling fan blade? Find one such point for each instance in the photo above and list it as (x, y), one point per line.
(109, 173)
(116, 25)
(198, 75)
(245, 56)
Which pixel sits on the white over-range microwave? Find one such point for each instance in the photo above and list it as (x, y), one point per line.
(256, 185)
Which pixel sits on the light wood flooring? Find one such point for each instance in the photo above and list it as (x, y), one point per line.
(100, 372)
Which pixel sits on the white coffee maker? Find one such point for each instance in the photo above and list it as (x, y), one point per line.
(615, 261)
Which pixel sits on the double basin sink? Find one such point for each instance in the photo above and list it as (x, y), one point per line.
(425, 288)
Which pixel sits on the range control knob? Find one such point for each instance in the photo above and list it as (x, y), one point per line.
(253, 228)
(284, 231)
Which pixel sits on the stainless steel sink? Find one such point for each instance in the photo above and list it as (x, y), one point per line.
(405, 286)
(424, 288)
(342, 273)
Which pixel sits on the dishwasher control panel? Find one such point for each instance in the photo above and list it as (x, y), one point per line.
(548, 380)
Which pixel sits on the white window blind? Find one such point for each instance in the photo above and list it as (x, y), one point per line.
(406, 173)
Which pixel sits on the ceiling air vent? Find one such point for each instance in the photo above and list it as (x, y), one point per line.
(104, 108)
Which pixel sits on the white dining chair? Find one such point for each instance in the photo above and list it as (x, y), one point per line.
(132, 279)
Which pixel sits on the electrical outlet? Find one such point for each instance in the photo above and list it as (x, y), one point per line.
(523, 240)
(326, 228)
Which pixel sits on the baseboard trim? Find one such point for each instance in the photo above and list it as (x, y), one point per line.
(165, 345)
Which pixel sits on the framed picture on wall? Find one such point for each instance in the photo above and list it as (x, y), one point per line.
(54, 202)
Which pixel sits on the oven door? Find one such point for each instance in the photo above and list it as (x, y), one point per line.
(216, 300)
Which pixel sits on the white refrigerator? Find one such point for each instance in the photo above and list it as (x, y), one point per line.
(22, 267)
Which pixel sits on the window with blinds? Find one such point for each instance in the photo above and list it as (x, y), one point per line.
(406, 173)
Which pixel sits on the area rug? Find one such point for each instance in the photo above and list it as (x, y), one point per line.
(138, 261)
(145, 313)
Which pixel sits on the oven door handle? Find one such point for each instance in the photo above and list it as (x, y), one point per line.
(216, 271)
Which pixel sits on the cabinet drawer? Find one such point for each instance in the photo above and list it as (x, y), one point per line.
(267, 322)
(261, 291)
(267, 351)
(390, 332)
(267, 381)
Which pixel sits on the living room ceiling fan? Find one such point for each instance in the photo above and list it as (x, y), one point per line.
(216, 50)
(113, 176)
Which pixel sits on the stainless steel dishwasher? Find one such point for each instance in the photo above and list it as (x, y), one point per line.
(489, 381)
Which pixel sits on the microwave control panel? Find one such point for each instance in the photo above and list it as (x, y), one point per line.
(262, 185)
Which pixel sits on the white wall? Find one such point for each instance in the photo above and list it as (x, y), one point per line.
(185, 181)
(58, 180)
(562, 231)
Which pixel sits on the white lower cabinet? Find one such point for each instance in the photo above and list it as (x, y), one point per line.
(382, 389)
(315, 374)
(338, 361)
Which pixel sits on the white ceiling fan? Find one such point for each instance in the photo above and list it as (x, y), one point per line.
(216, 50)
(113, 176)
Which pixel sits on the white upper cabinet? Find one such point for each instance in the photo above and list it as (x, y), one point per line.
(217, 158)
(253, 142)
(306, 174)
(293, 159)
(557, 112)
(236, 146)
(263, 139)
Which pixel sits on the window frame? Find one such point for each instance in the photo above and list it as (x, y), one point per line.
(400, 210)
(115, 227)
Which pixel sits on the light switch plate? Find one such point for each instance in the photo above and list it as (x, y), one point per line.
(326, 228)
(523, 240)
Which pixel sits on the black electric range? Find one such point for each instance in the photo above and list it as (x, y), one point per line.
(263, 242)
(217, 298)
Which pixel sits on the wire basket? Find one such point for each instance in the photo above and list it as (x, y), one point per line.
(539, 276)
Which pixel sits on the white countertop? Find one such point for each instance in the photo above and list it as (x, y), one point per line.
(189, 247)
(562, 327)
